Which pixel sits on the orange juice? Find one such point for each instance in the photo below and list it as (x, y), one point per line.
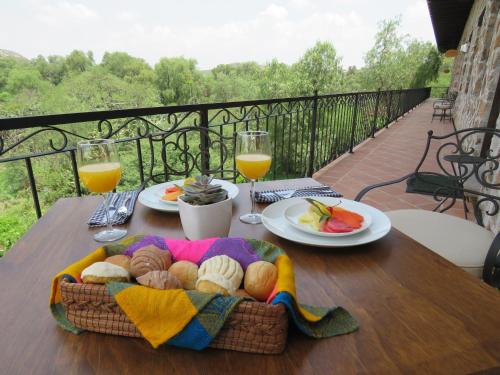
(100, 177)
(253, 166)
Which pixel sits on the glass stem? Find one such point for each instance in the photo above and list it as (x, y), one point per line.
(252, 196)
(107, 202)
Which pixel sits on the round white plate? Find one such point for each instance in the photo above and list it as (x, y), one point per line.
(151, 197)
(295, 211)
(274, 220)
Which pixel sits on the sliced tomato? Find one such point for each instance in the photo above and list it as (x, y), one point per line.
(336, 226)
(172, 189)
(348, 217)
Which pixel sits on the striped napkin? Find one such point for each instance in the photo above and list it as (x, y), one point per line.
(270, 196)
(98, 218)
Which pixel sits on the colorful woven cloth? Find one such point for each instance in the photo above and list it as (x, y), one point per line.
(191, 319)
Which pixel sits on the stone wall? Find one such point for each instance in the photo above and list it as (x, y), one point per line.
(476, 75)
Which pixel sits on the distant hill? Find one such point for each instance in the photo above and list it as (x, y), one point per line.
(15, 55)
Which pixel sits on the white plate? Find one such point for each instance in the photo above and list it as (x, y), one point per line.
(295, 211)
(151, 197)
(274, 220)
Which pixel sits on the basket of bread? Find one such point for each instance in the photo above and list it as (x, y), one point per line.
(242, 286)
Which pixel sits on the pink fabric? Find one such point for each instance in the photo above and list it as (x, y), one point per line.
(192, 251)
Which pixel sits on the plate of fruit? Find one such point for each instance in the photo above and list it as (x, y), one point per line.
(173, 191)
(163, 197)
(337, 220)
(374, 224)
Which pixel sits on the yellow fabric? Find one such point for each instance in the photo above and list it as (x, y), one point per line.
(286, 283)
(144, 306)
(75, 270)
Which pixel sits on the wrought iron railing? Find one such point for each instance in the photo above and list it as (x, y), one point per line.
(171, 142)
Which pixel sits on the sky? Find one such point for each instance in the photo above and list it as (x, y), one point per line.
(211, 31)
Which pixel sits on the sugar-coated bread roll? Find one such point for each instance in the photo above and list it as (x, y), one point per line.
(260, 279)
(186, 272)
(160, 280)
(207, 286)
(149, 258)
(120, 260)
(103, 272)
(222, 270)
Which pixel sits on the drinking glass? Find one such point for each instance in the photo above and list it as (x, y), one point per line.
(253, 160)
(100, 170)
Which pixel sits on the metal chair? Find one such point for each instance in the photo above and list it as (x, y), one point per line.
(443, 108)
(465, 174)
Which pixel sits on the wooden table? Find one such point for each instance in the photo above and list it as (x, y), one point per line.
(418, 312)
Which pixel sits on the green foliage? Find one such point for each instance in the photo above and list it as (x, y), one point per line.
(177, 80)
(318, 70)
(16, 218)
(129, 68)
(397, 62)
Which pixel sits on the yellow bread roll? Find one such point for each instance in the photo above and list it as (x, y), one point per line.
(260, 279)
(222, 270)
(103, 272)
(186, 272)
(160, 280)
(207, 286)
(149, 258)
(119, 260)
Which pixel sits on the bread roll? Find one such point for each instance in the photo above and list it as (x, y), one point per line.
(260, 279)
(222, 270)
(120, 260)
(186, 272)
(207, 286)
(103, 272)
(149, 258)
(160, 280)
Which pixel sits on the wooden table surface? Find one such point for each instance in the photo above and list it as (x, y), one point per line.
(418, 313)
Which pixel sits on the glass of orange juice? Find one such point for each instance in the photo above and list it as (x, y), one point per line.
(253, 160)
(100, 171)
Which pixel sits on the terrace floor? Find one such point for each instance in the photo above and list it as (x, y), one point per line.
(393, 153)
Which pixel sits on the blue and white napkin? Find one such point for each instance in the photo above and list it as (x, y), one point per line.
(98, 218)
(271, 196)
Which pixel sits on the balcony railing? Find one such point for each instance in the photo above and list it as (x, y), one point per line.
(177, 141)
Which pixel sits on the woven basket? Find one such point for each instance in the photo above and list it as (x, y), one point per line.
(253, 327)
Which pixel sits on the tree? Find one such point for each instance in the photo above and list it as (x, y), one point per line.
(98, 89)
(397, 62)
(129, 68)
(429, 62)
(276, 80)
(177, 80)
(383, 59)
(319, 69)
(78, 62)
(52, 69)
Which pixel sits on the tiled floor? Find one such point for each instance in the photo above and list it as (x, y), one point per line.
(394, 153)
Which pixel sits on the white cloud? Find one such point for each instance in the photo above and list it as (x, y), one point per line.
(64, 12)
(300, 4)
(275, 11)
(416, 21)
